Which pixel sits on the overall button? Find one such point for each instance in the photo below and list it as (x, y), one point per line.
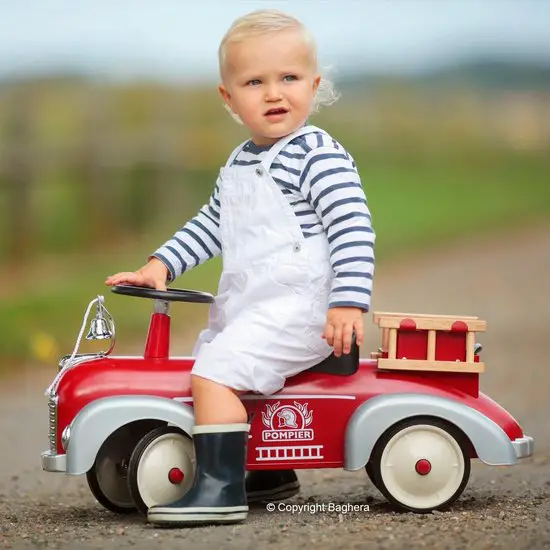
(297, 247)
(259, 172)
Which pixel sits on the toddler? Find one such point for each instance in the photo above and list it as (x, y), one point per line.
(289, 216)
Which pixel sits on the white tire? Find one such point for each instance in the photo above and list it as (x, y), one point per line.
(161, 468)
(421, 465)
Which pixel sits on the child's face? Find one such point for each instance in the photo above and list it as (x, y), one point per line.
(270, 82)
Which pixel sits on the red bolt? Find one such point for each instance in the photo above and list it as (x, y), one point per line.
(423, 467)
(175, 476)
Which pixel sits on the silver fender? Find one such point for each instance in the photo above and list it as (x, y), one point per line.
(375, 416)
(98, 420)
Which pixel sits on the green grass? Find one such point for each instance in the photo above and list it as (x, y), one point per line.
(416, 203)
(429, 205)
(42, 321)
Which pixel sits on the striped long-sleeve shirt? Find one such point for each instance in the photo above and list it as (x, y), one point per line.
(320, 180)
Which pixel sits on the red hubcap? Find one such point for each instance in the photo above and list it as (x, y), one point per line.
(423, 467)
(175, 476)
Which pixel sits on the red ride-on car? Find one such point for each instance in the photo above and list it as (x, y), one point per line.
(412, 414)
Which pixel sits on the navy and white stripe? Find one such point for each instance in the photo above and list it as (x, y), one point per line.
(320, 180)
(197, 241)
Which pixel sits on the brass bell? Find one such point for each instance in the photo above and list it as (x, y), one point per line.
(100, 328)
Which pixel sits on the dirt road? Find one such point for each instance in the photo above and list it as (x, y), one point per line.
(504, 279)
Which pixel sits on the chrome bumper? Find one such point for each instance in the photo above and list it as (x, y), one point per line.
(524, 446)
(54, 463)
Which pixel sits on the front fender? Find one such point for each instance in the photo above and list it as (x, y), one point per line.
(375, 416)
(98, 420)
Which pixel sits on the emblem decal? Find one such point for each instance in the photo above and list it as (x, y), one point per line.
(287, 422)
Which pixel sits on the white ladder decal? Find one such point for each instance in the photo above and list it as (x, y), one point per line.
(289, 453)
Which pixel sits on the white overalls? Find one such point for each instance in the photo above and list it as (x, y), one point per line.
(270, 311)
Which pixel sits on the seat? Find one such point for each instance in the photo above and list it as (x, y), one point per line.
(345, 365)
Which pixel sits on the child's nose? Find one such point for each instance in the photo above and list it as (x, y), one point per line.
(273, 93)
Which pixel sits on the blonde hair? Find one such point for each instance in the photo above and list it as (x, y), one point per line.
(260, 22)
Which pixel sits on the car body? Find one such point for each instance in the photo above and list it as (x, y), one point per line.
(415, 431)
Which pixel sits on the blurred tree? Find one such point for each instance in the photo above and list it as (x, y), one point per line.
(93, 158)
(19, 164)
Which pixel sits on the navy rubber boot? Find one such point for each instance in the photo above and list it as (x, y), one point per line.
(218, 491)
(271, 485)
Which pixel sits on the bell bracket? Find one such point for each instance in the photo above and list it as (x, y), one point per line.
(102, 327)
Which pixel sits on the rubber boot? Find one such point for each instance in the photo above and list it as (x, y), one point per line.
(218, 491)
(271, 485)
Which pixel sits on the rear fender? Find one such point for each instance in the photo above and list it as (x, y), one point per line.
(375, 416)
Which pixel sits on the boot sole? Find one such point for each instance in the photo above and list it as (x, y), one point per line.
(196, 516)
(280, 493)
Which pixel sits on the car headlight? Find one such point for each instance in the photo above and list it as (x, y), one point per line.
(65, 436)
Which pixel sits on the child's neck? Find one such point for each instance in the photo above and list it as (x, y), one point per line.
(254, 147)
(259, 141)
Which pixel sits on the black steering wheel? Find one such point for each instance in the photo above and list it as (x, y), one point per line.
(170, 295)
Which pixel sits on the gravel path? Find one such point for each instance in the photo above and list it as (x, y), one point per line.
(503, 280)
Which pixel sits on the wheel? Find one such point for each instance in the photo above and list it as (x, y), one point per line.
(107, 477)
(370, 472)
(118, 506)
(161, 468)
(421, 465)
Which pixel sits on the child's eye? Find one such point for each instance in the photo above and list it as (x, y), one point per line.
(290, 77)
(253, 82)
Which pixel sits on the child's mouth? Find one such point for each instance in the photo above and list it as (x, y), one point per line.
(276, 112)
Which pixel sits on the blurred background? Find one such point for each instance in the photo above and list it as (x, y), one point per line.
(112, 133)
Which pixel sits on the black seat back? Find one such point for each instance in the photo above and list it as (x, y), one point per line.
(345, 365)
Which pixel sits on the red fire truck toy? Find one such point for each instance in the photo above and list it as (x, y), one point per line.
(412, 414)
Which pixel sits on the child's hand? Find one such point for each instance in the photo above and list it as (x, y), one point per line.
(341, 322)
(153, 275)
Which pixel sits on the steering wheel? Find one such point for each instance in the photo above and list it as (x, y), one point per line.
(170, 295)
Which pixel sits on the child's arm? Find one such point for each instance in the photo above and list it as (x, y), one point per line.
(331, 184)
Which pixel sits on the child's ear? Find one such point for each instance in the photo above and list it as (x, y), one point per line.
(226, 96)
(316, 83)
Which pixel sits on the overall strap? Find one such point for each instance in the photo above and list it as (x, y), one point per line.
(234, 154)
(283, 142)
